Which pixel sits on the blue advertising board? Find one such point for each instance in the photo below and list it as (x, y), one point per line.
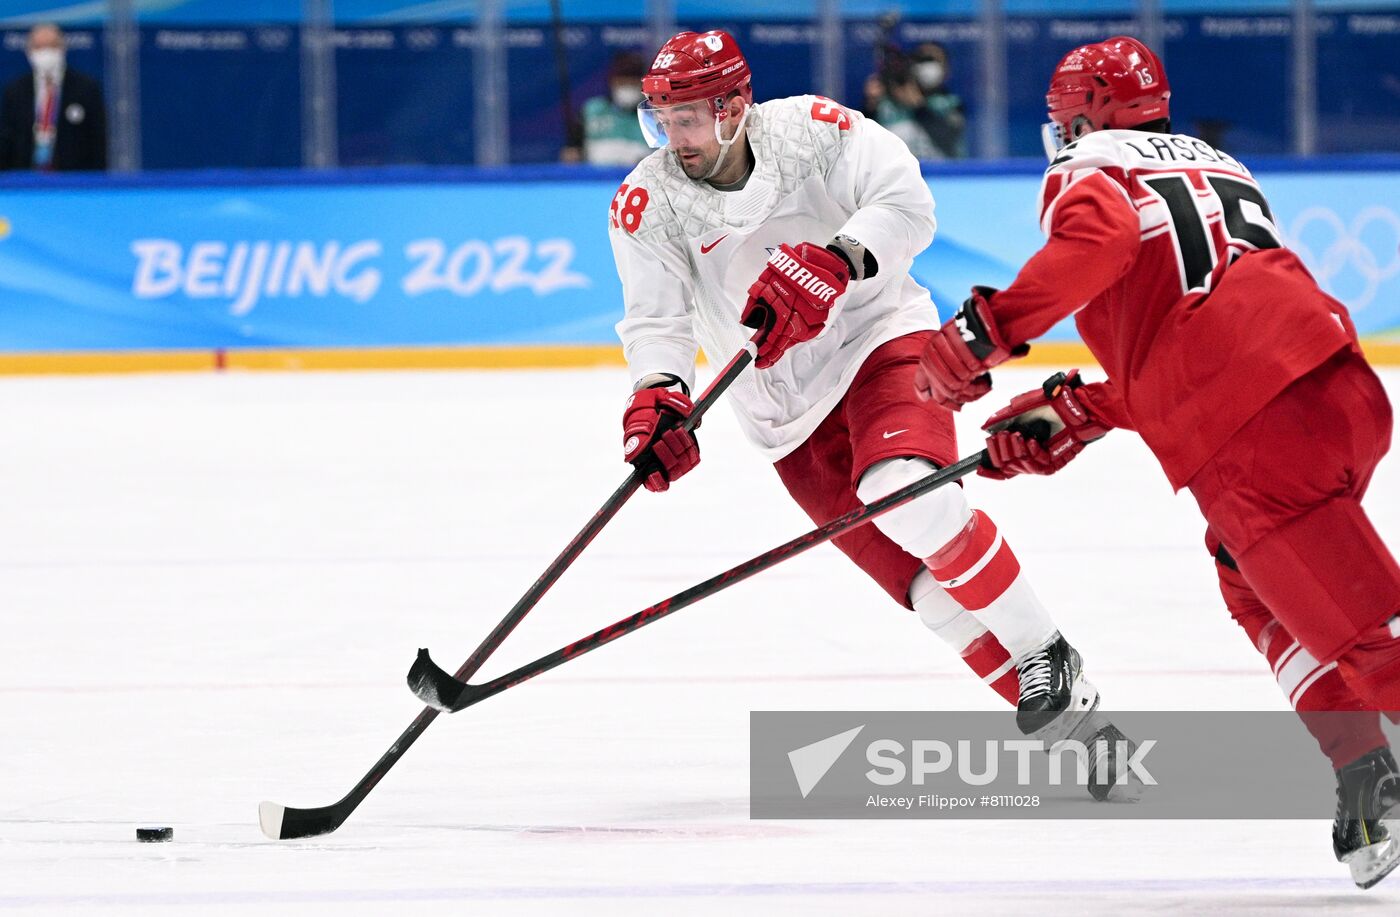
(508, 261)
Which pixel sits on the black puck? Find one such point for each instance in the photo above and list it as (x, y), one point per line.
(155, 835)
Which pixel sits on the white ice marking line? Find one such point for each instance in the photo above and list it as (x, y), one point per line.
(1078, 549)
(1190, 887)
(574, 681)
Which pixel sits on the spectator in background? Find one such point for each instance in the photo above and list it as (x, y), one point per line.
(1212, 131)
(52, 119)
(612, 135)
(910, 97)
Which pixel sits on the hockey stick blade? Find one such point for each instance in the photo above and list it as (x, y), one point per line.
(281, 823)
(434, 686)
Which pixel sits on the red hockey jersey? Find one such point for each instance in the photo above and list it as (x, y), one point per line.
(1165, 250)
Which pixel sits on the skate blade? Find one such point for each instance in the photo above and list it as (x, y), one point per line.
(1086, 734)
(1129, 792)
(1371, 864)
(1083, 702)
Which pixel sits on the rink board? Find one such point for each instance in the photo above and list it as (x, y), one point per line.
(465, 268)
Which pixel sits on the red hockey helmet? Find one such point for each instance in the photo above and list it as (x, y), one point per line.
(692, 67)
(1117, 83)
(686, 91)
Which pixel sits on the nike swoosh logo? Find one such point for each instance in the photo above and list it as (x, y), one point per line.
(895, 433)
(706, 249)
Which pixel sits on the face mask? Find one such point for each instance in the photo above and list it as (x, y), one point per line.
(46, 60)
(627, 96)
(1052, 137)
(929, 74)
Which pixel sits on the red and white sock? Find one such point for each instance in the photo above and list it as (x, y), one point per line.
(1332, 711)
(977, 646)
(1337, 718)
(992, 663)
(980, 572)
(1294, 668)
(965, 553)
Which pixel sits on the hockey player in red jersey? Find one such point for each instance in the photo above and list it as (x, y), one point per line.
(801, 217)
(1243, 377)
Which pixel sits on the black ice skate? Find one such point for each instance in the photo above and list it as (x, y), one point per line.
(1108, 751)
(1055, 695)
(1368, 798)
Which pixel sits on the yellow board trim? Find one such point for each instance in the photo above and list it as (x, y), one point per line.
(554, 357)
(1059, 354)
(1382, 353)
(134, 361)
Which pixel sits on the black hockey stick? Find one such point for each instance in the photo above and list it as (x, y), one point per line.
(281, 822)
(442, 691)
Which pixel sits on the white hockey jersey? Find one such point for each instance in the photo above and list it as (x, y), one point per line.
(687, 253)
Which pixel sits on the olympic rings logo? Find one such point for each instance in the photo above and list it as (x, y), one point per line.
(1349, 253)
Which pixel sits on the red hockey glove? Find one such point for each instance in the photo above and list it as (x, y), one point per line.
(1040, 431)
(652, 438)
(792, 296)
(953, 368)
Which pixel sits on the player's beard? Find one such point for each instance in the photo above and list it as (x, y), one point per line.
(699, 163)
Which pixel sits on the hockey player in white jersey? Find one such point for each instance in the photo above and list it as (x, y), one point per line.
(800, 216)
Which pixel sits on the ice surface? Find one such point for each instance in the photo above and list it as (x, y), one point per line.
(213, 586)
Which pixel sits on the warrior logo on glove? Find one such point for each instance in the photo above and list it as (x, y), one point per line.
(793, 296)
(789, 265)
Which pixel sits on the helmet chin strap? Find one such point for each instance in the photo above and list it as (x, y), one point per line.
(724, 145)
